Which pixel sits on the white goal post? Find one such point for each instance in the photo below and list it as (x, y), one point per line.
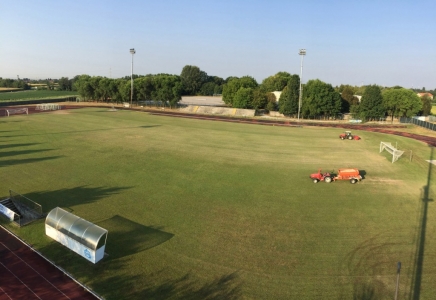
(392, 150)
(14, 111)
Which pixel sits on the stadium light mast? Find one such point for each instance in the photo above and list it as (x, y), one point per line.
(302, 53)
(132, 51)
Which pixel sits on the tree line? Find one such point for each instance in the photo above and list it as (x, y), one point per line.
(319, 99)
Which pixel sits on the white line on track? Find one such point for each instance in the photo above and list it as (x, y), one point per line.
(48, 281)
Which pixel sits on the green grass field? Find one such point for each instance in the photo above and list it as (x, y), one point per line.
(213, 210)
(35, 94)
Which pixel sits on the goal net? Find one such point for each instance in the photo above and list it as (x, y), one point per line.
(15, 111)
(392, 150)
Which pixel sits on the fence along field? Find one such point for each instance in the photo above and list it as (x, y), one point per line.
(201, 209)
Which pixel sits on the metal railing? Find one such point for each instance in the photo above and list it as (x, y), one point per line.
(21, 200)
(424, 124)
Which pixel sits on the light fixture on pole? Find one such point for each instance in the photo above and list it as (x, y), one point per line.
(132, 51)
(302, 53)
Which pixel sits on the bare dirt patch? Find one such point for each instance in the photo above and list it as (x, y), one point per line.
(61, 112)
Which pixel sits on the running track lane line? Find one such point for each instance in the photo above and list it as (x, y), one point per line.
(29, 266)
(4, 293)
(17, 278)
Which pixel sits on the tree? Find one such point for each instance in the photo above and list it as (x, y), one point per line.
(145, 87)
(260, 99)
(401, 103)
(105, 88)
(96, 88)
(272, 102)
(64, 84)
(217, 80)
(192, 79)
(167, 88)
(84, 87)
(289, 99)
(243, 98)
(371, 105)
(348, 98)
(218, 90)
(234, 84)
(124, 87)
(208, 89)
(426, 106)
(320, 100)
(276, 82)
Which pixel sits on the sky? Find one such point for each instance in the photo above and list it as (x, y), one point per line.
(357, 42)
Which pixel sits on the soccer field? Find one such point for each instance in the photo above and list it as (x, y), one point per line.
(213, 210)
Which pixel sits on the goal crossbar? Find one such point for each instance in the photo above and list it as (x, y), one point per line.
(392, 150)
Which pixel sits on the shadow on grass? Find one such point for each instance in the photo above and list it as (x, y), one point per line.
(126, 237)
(66, 198)
(90, 130)
(149, 286)
(225, 287)
(1, 131)
(17, 145)
(12, 162)
(421, 235)
(22, 152)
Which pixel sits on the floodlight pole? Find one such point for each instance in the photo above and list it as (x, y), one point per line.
(132, 51)
(302, 53)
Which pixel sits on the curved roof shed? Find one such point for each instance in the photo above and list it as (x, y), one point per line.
(87, 234)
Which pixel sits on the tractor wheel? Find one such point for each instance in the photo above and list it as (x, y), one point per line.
(328, 179)
(342, 138)
(315, 180)
(353, 180)
(350, 137)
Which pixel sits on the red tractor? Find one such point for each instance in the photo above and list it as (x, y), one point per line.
(343, 174)
(348, 136)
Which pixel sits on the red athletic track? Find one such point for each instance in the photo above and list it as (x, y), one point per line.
(26, 275)
(374, 128)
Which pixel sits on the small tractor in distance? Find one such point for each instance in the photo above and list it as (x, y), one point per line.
(343, 174)
(348, 136)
